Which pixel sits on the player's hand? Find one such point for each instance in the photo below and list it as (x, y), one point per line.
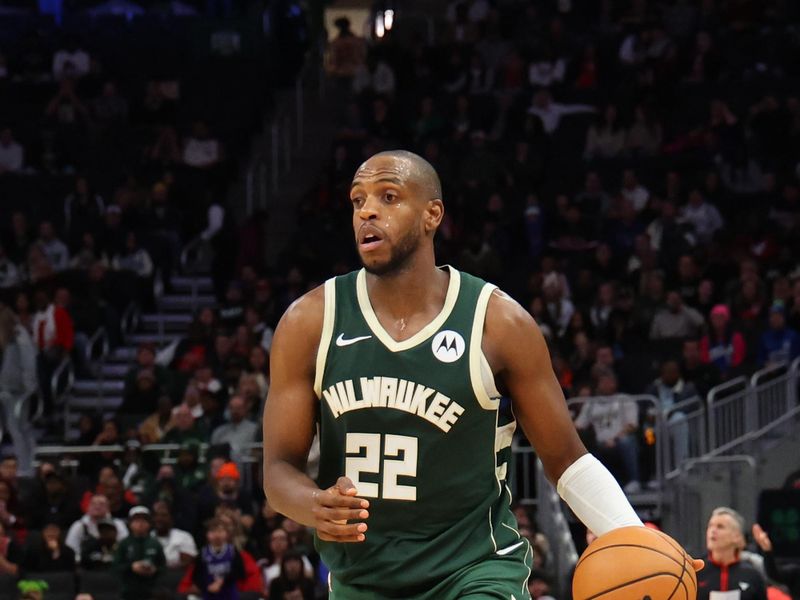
(334, 507)
(697, 563)
(761, 538)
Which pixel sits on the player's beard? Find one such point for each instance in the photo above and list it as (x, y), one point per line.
(399, 256)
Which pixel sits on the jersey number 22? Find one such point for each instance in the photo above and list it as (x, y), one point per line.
(398, 458)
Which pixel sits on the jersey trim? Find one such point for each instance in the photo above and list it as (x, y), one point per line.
(375, 325)
(476, 358)
(327, 334)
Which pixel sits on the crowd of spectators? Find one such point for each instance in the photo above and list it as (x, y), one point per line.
(627, 171)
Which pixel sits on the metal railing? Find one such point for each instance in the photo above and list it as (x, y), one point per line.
(741, 410)
(685, 436)
(705, 483)
(553, 524)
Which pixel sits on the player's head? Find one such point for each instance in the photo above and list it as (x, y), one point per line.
(725, 531)
(397, 207)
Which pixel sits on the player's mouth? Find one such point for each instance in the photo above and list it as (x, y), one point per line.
(369, 238)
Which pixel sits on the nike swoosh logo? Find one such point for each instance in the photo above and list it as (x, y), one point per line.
(340, 341)
(510, 549)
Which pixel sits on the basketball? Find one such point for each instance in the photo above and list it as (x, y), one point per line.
(634, 563)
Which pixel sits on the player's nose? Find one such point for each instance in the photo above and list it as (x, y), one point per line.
(369, 210)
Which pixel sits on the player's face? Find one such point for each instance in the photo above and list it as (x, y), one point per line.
(722, 534)
(387, 214)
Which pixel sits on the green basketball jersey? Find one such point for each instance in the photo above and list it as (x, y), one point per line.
(416, 426)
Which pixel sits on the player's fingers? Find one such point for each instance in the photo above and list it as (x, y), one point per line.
(698, 564)
(344, 485)
(342, 514)
(333, 498)
(341, 532)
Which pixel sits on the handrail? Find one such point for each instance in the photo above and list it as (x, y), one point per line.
(64, 366)
(194, 246)
(99, 336)
(755, 379)
(711, 400)
(553, 524)
(130, 318)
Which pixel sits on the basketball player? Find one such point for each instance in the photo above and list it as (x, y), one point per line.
(401, 365)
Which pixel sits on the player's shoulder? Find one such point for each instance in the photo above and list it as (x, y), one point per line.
(304, 315)
(506, 314)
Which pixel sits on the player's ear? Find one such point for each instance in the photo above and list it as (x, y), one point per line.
(434, 213)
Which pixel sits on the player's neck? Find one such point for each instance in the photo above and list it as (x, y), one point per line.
(408, 291)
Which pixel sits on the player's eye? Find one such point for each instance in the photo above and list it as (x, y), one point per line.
(357, 201)
(390, 197)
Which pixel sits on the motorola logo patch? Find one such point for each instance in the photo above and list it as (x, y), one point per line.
(448, 346)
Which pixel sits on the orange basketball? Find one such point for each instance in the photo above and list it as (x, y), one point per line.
(634, 563)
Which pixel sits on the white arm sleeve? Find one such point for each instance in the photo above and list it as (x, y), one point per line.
(595, 496)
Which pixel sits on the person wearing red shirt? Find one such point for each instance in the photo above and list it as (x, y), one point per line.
(54, 336)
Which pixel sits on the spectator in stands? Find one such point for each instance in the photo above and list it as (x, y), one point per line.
(11, 555)
(724, 571)
(347, 53)
(83, 211)
(671, 391)
(146, 359)
(779, 343)
(12, 154)
(292, 577)
(54, 249)
(723, 346)
(633, 191)
(134, 258)
(189, 474)
(226, 490)
(179, 547)
(702, 215)
(71, 60)
(18, 385)
(788, 575)
(110, 108)
(676, 320)
(86, 527)
(97, 554)
(219, 564)
(643, 138)
(142, 397)
(139, 558)
(606, 137)
(19, 239)
(49, 553)
(703, 376)
(52, 500)
(614, 423)
(54, 336)
(238, 432)
(163, 221)
(200, 149)
(185, 429)
(10, 511)
(550, 112)
(154, 427)
(9, 273)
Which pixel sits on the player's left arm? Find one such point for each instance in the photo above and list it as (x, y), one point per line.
(518, 355)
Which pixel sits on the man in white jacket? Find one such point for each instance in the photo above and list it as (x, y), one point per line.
(17, 387)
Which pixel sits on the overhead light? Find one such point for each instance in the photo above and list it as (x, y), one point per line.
(380, 28)
(388, 19)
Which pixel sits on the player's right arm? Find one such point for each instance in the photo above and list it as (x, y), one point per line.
(289, 427)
